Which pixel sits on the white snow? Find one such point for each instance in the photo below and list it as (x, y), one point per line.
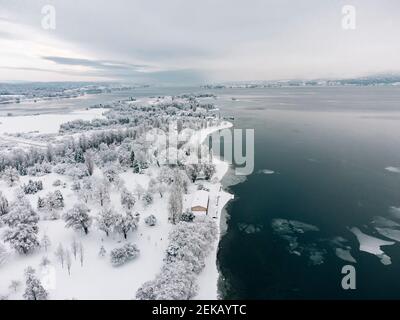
(372, 245)
(45, 123)
(208, 278)
(97, 279)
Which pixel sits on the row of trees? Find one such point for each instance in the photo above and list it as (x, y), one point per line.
(189, 244)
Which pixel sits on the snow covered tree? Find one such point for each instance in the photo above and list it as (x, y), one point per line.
(187, 216)
(174, 282)
(85, 195)
(151, 220)
(60, 254)
(139, 191)
(45, 262)
(106, 220)
(132, 158)
(125, 223)
(208, 170)
(89, 162)
(23, 237)
(147, 198)
(127, 199)
(58, 200)
(74, 248)
(102, 252)
(20, 212)
(110, 172)
(79, 157)
(101, 192)
(53, 202)
(120, 256)
(22, 222)
(68, 260)
(45, 242)
(32, 187)
(136, 166)
(78, 218)
(14, 285)
(193, 171)
(157, 187)
(11, 176)
(81, 252)
(4, 207)
(4, 254)
(41, 203)
(33, 288)
(179, 125)
(175, 205)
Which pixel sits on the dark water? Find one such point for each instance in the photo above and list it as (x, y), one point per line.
(329, 148)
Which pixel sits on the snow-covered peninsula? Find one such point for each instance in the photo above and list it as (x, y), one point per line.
(98, 211)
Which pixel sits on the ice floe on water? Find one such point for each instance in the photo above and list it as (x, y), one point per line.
(389, 233)
(292, 231)
(292, 226)
(388, 227)
(345, 255)
(384, 222)
(249, 228)
(266, 171)
(393, 169)
(372, 245)
(342, 250)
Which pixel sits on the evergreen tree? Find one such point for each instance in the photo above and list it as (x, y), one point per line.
(4, 207)
(33, 288)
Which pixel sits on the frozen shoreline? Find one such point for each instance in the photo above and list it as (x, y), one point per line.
(208, 278)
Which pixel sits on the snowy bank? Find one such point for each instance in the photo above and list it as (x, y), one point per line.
(208, 278)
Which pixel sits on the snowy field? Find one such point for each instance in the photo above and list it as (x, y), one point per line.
(45, 123)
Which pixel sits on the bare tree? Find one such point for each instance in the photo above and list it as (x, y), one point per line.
(45, 242)
(68, 260)
(60, 254)
(89, 162)
(75, 248)
(81, 253)
(15, 285)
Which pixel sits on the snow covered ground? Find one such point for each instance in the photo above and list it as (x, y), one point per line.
(45, 123)
(95, 277)
(208, 278)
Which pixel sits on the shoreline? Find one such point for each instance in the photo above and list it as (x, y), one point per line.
(209, 277)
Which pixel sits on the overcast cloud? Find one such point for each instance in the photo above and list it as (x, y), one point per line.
(184, 41)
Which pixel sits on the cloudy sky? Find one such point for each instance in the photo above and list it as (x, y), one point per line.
(193, 41)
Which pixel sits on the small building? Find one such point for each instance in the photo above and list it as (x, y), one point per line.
(200, 202)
